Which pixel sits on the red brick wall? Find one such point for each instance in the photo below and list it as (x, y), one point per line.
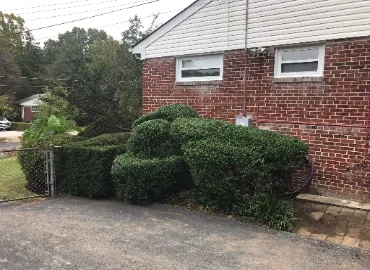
(329, 113)
(28, 114)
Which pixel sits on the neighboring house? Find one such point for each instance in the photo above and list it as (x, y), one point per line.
(306, 73)
(28, 107)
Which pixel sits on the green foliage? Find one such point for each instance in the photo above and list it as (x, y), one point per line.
(20, 126)
(6, 110)
(147, 180)
(267, 209)
(103, 126)
(168, 112)
(32, 162)
(281, 152)
(152, 139)
(53, 102)
(106, 140)
(86, 168)
(48, 127)
(223, 173)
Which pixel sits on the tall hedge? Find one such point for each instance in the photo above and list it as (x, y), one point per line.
(33, 161)
(141, 180)
(168, 112)
(86, 169)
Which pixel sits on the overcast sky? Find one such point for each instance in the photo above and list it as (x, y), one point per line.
(37, 14)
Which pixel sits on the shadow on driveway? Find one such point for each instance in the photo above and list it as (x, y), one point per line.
(76, 233)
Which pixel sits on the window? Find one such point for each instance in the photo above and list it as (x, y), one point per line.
(34, 109)
(300, 61)
(199, 68)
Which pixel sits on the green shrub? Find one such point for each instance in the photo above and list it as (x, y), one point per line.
(267, 209)
(184, 130)
(147, 180)
(20, 126)
(32, 162)
(86, 169)
(104, 126)
(223, 173)
(282, 153)
(152, 139)
(168, 112)
(106, 140)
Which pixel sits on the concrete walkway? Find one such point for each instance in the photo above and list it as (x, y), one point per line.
(11, 136)
(339, 225)
(75, 233)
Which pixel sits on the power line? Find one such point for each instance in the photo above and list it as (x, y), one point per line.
(58, 4)
(61, 8)
(102, 26)
(87, 11)
(86, 18)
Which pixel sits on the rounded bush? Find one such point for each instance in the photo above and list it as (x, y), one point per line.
(152, 139)
(184, 130)
(168, 112)
(32, 162)
(225, 173)
(147, 180)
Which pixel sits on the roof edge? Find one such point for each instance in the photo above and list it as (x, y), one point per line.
(140, 47)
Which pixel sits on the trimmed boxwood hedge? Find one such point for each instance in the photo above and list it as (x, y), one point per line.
(141, 181)
(86, 169)
(168, 112)
(152, 139)
(32, 162)
(224, 174)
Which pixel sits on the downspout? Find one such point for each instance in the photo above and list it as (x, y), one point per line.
(367, 131)
(245, 58)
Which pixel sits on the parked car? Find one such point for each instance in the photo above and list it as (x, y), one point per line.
(4, 123)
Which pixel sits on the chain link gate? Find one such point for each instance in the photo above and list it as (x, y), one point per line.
(27, 173)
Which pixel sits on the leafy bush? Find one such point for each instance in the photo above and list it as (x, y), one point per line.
(168, 112)
(32, 162)
(152, 139)
(103, 126)
(281, 152)
(147, 180)
(86, 169)
(223, 173)
(267, 209)
(106, 140)
(184, 130)
(20, 126)
(45, 127)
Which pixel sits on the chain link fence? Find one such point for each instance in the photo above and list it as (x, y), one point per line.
(27, 173)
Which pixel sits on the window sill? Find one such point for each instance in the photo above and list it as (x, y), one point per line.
(217, 82)
(319, 79)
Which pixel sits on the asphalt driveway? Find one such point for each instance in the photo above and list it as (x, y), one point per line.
(75, 233)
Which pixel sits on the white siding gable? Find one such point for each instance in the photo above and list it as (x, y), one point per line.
(219, 25)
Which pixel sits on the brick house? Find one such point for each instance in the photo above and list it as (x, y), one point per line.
(28, 107)
(297, 67)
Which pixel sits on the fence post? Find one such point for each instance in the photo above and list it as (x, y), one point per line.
(52, 170)
(47, 172)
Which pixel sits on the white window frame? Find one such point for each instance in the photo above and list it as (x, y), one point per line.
(32, 110)
(179, 68)
(279, 61)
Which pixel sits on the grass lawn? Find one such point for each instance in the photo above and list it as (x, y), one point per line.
(12, 180)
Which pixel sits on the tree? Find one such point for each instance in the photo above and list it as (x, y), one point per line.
(6, 110)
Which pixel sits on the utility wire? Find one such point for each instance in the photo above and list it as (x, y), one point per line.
(85, 18)
(60, 8)
(81, 12)
(58, 4)
(102, 26)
